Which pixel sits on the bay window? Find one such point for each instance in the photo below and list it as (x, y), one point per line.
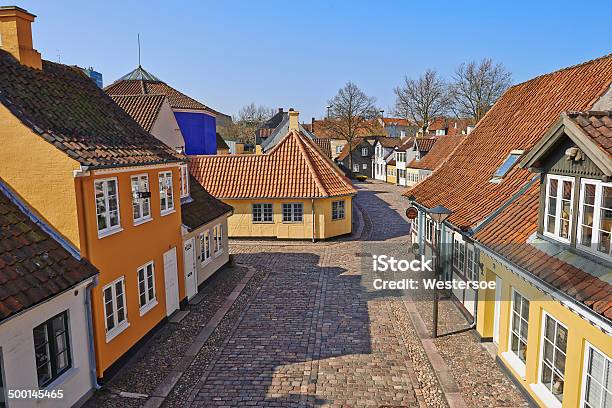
(559, 207)
(166, 194)
(595, 218)
(141, 201)
(107, 206)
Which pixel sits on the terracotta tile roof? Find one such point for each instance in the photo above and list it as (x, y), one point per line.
(203, 209)
(517, 121)
(395, 122)
(322, 130)
(406, 144)
(142, 108)
(64, 107)
(598, 125)
(389, 142)
(452, 126)
(325, 146)
(507, 235)
(33, 266)
(143, 86)
(440, 151)
(294, 168)
(424, 144)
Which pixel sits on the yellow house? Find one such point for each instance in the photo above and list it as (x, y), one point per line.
(391, 172)
(108, 187)
(292, 192)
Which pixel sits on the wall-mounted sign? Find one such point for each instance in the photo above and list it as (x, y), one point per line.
(412, 213)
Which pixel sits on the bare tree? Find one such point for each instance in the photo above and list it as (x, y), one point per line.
(243, 126)
(351, 114)
(422, 99)
(476, 86)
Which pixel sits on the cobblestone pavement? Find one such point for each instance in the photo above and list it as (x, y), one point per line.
(309, 330)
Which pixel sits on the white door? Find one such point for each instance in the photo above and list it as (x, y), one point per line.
(496, 313)
(191, 282)
(171, 281)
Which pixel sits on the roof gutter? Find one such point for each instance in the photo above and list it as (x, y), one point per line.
(601, 322)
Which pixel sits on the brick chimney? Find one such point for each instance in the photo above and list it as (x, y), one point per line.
(16, 35)
(293, 120)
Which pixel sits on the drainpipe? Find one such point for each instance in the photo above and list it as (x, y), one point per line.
(90, 335)
(313, 220)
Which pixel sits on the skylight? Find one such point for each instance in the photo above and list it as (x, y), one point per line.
(508, 164)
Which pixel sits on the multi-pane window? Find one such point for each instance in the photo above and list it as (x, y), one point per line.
(364, 166)
(262, 212)
(218, 238)
(293, 212)
(595, 223)
(107, 205)
(364, 151)
(338, 149)
(52, 348)
(166, 194)
(552, 360)
(597, 392)
(146, 285)
(558, 214)
(355, 168)
(519, 326)
(470, 267)
(429, 226)
(115, 313)
(205, 246)
(184, 181)
(141, 201)
(338, 210)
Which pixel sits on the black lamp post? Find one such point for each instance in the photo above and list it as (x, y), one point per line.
(438, 214)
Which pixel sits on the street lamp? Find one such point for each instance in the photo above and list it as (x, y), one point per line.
(438, 214)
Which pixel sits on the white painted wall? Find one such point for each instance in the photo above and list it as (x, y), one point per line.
(205, 271)
(17, 351)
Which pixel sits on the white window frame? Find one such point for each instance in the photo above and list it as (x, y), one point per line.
(205, 254)
(218, 239)
(339, 149)
(169, 198)
(539, 388)
(151, 302)
(364, 152)
(338, 210)
(429, 226)
(355, 167)
(262, 212)
(599, 185)
(556, 233)
(184, 178)
(364, 166)
(119, 326)
(142, 202)
(109, 230)
(585, 367)
(292, 213)
(515, 362)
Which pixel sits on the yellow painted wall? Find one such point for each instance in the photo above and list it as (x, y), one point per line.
(579, 331)
(40, 173)
(124, 252)
(240, 223)
(392, 179)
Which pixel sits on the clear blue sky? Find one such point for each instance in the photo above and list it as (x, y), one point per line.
(299, 53)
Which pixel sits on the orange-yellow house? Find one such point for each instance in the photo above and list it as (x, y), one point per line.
(110, 189)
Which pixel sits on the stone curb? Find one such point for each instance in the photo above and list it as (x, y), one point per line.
(159, 394)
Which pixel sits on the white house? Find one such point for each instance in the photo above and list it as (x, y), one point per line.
(404, 154)
(46, 342)
(383, 147)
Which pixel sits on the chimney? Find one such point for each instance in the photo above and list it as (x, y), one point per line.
(312, 121)
(16, 35)
(293, 120)
(470, 128)
(280, 110)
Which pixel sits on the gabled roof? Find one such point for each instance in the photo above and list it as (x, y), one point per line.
(221, 145)
(517, 121)
(451, 125)
(142, 108)
(395, 122)
(440, 151)
(141, 82)
(591, 131)
(347, 148)
(279, 133)
(34, 267)
(203, 208)
(425, 144)
(269, 125)
(65, 108)
(294, 168)
(406, 144)
(323, 129)
(388, 142)
(508, 234)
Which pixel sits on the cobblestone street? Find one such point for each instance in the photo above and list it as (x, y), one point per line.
(309, 330)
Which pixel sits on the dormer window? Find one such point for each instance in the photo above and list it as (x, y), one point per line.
(595, 218)
(508, 164)
(559, 207)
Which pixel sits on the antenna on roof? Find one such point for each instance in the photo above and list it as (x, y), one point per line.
(139, 49)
